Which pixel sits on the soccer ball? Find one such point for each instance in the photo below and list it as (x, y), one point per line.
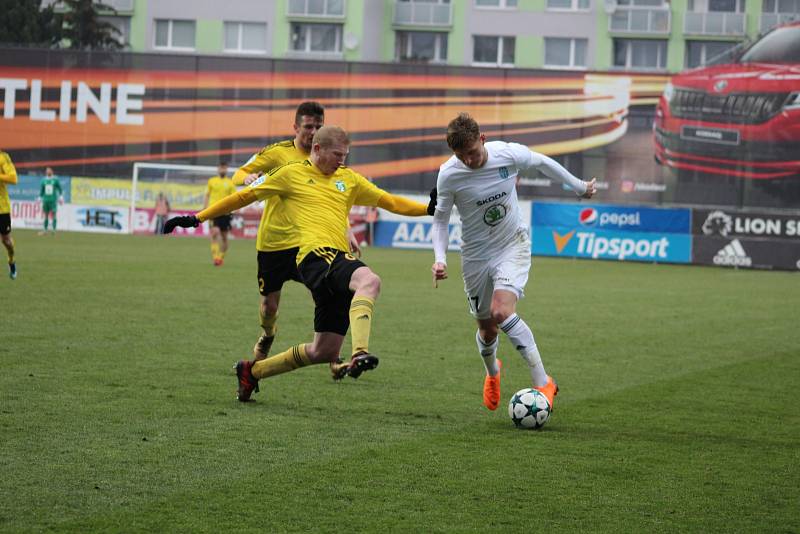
(529, 408)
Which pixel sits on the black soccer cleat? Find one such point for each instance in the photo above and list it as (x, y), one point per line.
(363, 361)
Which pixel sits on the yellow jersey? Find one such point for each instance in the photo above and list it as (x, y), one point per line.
(275, 231)
(219, 188)
(8, 175)
(317, 204)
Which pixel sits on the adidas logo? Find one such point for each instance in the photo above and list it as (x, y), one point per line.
(733, 254)
(311, 181)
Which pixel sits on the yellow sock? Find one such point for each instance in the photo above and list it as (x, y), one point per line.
(360, 322)
(268, 324)
(10, 250)
(288, 360)
(214, 250)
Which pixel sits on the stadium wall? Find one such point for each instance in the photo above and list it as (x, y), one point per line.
(95, 113)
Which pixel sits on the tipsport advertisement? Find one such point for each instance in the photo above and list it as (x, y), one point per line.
(601, 231)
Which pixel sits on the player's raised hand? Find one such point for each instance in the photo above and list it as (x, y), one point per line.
(432, 203)
(439, 271)
(591, 188)
(184, 221)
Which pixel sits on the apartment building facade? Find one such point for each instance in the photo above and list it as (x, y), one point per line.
(642, 35)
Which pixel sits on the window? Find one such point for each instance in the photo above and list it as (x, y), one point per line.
(642, 3)
(702, 52)
(247, 37)
(493, 50)
(726, 6)
(423, 47)
(781, 6)
(496, 3)
(640, 53)
(175, 34)
(571, 5)
(309, 38)
(123, 24)
(559, 52)
(317, 8)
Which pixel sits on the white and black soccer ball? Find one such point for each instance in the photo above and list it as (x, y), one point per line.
(529, 408)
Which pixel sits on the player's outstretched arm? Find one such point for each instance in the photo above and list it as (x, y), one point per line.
(227, 205)
(402, 205)
(553, 169)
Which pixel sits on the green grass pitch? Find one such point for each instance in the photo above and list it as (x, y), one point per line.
(678, 410)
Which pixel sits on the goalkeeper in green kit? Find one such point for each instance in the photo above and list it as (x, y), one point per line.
(50, 193)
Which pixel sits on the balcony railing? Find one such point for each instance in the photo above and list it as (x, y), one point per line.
(725, 24)
(640, 20)
(770, 20)
(422, 14)
(123, 6)
(333, 9)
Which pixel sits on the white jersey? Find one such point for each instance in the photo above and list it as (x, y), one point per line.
(486, 198)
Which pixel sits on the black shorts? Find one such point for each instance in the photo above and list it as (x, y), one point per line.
(275, 268)
(223, 223)
(5, 223)
(327, 275)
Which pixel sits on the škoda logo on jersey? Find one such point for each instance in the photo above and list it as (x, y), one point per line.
(494, 214)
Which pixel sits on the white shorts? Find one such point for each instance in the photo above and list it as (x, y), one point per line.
(508, 271)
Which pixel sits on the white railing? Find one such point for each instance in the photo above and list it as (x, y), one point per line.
(770, 20)
(640, 20)
(317, 8)
(734, 24)
(422, 13)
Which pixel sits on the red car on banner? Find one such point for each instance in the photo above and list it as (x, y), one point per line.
(738, 119)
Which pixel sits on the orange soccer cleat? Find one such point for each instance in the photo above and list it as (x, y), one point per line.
(491, 388)
(549, 390)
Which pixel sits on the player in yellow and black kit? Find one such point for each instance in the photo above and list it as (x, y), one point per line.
(317, 194)
(8, 175)
(219, 187)
(277, 243)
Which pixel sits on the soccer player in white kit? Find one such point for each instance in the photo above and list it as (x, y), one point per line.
(480, 181)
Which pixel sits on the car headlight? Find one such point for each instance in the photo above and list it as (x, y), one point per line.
(793, 102)
(669, 91)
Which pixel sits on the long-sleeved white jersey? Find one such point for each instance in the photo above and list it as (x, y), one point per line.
(486, 199)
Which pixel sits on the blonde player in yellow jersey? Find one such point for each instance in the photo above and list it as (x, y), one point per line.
(317, 194)
(8, 175)
(219, 187)
(278, 242)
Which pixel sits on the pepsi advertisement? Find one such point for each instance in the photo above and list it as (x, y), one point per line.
(622, 233)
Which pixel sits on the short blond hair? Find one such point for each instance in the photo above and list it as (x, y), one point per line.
(328, 135)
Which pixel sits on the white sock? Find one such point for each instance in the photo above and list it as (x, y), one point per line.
(488, 352)
(521, 336)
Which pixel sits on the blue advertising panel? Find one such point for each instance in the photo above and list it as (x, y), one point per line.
(411, 234)
(28, 186)
(612, 245)
(610, 217)
(623, 233)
